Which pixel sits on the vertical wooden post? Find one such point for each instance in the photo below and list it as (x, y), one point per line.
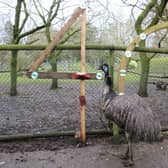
(82, 82)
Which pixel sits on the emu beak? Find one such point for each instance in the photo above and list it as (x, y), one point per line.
(99, 67)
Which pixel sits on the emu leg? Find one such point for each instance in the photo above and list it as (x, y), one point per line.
(130, 150)
(126, 156)
(129, 153)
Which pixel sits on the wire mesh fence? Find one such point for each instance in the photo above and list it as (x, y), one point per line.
(38, 108)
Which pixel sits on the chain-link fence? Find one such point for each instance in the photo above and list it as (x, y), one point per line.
(38, 108)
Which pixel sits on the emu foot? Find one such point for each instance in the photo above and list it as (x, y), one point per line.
(128, 163)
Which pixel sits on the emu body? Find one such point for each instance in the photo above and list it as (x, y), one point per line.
(131, 113)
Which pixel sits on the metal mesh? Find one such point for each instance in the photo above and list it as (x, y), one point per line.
(38, 108)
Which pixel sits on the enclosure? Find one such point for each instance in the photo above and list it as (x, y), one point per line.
(43, 120)
(38, 109)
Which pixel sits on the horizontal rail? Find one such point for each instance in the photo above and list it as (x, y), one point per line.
(28, 136)
(77, 47)
(25, 136)
(58, 75)
(161, 76)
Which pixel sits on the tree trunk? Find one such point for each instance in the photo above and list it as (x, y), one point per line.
(115, 128)
(111, 60)
(145, 61)
(54, 84)
(145, 67)
(13, 86)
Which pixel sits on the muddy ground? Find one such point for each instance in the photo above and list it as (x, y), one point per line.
(38, 109)
(63, 153)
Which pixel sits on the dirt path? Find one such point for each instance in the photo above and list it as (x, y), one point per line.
(99, 153)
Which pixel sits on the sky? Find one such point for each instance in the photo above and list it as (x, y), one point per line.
(116, 6)
(101, 19)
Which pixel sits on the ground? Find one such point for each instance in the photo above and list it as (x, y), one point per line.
(39, 109)
(63, 153)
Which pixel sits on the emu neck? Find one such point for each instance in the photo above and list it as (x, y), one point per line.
(108, 86)
(108, 91)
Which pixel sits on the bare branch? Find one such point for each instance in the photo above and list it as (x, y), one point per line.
(26, 17)
(159, 43)
(159, 12)
(69, 35)
(134, 5)
(105, 6)
(33, 41)
(56, 10)
(38, 11)
(8, 5)
(163, 37)
(142, 16)
(31, 32)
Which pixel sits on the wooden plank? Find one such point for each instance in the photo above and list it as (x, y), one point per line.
(58, 75)
(43, 55)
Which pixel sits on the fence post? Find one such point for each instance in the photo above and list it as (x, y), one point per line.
(82, 82)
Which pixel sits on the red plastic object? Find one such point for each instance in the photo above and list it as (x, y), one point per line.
(81, 76)
(82, 100)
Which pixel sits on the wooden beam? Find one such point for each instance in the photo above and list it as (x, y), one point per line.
(58, 75)
(82, 82)
(77, 47)
(30, 136)
(43, 55)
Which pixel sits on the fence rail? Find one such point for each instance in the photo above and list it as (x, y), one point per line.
(88, 47)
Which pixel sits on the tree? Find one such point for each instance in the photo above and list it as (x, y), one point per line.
(151, 13)
(18, 34)
(47, 20)
(140, 27)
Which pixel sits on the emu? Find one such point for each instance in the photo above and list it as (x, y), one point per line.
(131, 113)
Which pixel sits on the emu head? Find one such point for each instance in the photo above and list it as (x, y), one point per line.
(105, 68)
(108, 82)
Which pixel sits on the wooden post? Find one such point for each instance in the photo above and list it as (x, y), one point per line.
(121, 83)
(55, 41)
(82, 82)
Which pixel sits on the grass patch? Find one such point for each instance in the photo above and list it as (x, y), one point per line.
(159, 65)
(5, 78)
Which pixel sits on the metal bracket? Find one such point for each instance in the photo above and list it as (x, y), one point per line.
(82, 5)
